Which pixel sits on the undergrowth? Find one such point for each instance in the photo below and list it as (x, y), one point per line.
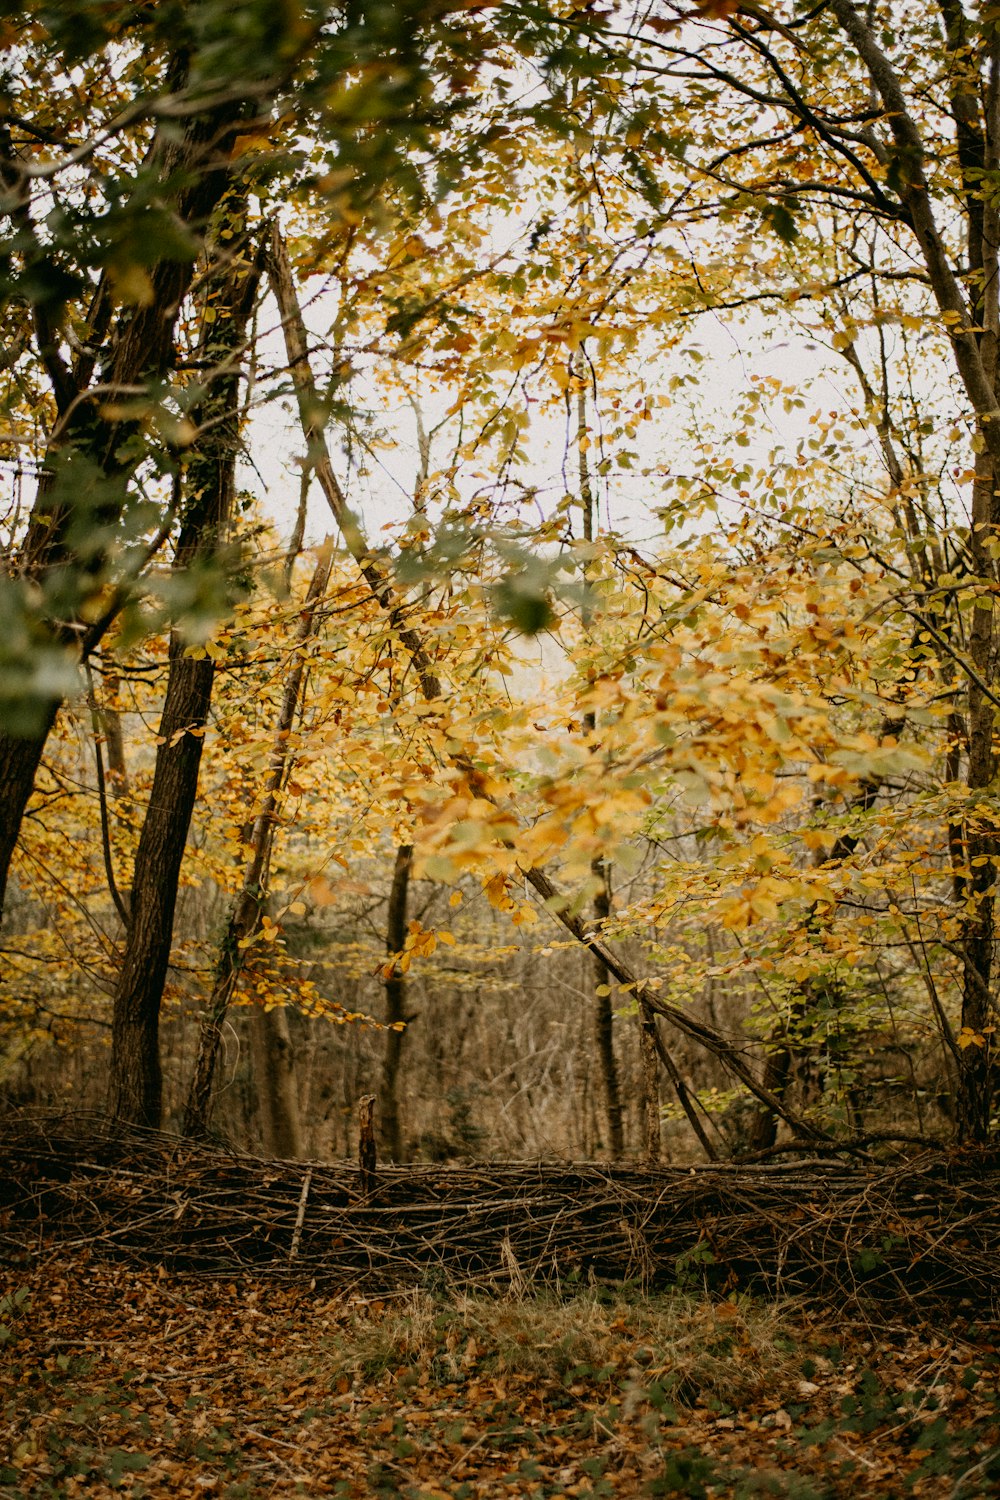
(115, 1381)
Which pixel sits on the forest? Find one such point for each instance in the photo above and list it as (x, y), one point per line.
(499, 817)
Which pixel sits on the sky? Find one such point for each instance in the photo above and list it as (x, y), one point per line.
(733, 355)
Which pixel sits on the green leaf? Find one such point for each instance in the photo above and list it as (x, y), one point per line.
(778, 217)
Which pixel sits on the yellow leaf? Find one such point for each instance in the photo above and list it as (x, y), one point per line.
(762, 905)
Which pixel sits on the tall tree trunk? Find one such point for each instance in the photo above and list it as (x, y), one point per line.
(19, 762)
(135, 1085)
(977, 1059)
(604, 1015)
(390, 1125)
(980, 868)
(277, 1087)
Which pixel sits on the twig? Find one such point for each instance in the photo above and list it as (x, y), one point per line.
(300, 1216)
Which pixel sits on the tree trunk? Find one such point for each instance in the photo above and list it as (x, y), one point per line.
(367, 1153)
(134, 1091)
(111, 726)
(976, 1066)
(277, 1088)
(390, 1125)
(649, 1076)
(604, 1018)
(19, 762)
(195, 162)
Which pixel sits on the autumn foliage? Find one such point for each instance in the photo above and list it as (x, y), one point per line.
(623, 689)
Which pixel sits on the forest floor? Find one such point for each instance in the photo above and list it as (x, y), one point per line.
(121, 1381)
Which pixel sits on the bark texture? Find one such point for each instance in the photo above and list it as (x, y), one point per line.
(277, 1086)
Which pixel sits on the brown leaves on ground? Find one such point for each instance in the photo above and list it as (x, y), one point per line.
(116, 1381)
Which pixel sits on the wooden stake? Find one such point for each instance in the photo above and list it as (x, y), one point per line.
(366, 1142)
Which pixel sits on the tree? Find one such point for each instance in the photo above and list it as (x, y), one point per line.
(770, 713)
(188, 102)
(892, 166)
(189, 98)
(207, 492)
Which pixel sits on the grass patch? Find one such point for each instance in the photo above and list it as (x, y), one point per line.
(729, 1352)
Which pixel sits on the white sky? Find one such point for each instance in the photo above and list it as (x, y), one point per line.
(733, 354)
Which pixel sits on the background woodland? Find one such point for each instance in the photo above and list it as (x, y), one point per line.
(439, 659)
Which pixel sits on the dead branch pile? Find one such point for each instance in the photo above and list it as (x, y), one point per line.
(929, 1227)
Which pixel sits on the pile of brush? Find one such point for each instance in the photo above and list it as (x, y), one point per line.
(927, 1227)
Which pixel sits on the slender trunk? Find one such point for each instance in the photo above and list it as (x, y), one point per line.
(310, 418)
(604, 1019)
(244, 919)
(390, 1125)
(111, 728)
(649, 1075)
(135, 1088)
(976, 1064)
(277, 1090)
(604, 1015)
